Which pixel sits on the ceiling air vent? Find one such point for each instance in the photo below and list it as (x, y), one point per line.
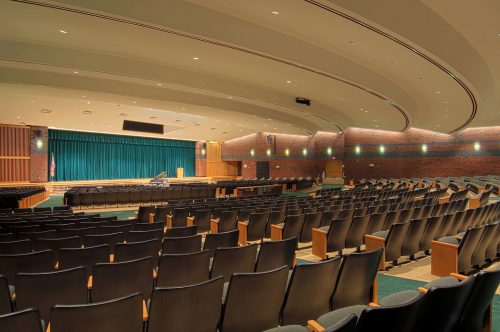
(143, 127)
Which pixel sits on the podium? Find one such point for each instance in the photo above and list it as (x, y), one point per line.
(180, 172)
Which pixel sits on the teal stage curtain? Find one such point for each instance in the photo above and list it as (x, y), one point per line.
(91, 156)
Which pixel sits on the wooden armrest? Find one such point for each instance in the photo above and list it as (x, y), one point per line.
(373, 237)
(169, 220)
(422, 290)
(155, 274)
(373, 242)
(319, 238)
(444, 258)
(315, 326)
(151, 218)
(214, 220)
(144, 311)
(276, 227)
(242, 235)
(189, 221)
(214, 226)
(373, 305)
(136, 215)
(111, 258)
(458, 276)
(317, 230)
(48, 327)
(89, 283)
(190, 218)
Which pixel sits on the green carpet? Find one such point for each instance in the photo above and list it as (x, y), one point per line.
(52, 201)
(330, 186)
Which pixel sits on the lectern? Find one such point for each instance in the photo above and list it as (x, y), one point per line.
(180, 172)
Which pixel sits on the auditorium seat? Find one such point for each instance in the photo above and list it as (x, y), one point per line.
(195, 307)
(138, 236)
(254, 228)
(275, 254)
(109, 239)
(49, 234)
(183, 269)
(220, 240)
(263, 292)
(44, 290)
(309, 291)
(311, 220)
(201, 217)
(135, 250)
(41, 261)
(181, 231)
(376, 223)
(410, 246)
(290, 228)
(181, 245)
(357, 230)
(227, 222)
(275, 217)
(113, 280)
(108, 229)
(355, 283)
(5, 296)
(23, 320)
(330, 238)
(233, 260)
(16, 247)
(178, 217)
(56, 244)
(391, 241)
(145, 214)
(149, 226)
(126, 311)
(86, 257)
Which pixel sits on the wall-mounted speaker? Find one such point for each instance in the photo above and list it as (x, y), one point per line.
(143, 127)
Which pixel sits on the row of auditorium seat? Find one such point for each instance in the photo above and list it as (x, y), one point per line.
(275, 298)
(9, 196)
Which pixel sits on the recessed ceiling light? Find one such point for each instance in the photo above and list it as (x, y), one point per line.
(134, 102)
(269, 119)
(275, 12)
(46, 111)
(365, 111)
(288, 82)
(196, 124)
(84, 96)
(109, 126)
(352, 42)
(87, 112)
(230, 97)
(376, 126)
(178, 121)
(32, 101)
(445, 102)
(196, 58)
(63, 31)
(375, 120)
(159, 84)
(150, 109)
(438, 92)
(18, 117)
(275, 128)
(446, 110)
(75, 72)
(153, 117)
(242, 129)
(88, 103)
(123, 114)
(183, 108)
(361, 109)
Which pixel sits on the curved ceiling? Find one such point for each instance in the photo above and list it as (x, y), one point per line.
(215, 69)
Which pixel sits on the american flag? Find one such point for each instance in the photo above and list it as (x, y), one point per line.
(52, 166)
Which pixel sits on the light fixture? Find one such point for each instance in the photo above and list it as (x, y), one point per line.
(268, 152)
(438, 92)
(230, 97)
(159, 84)
(357, 149)
(304, 151)
(63, 31)
(87, 112)
(203, 152)
(153, 117)
(287, 152)
(39, 143)
(196, 58)
(134, 102)
(382, 149)
(329, 151)
(424, 148)
(275, 128)
(288, 82)
(75, 72)
(123, 114)
(275, 12)
(46, 111)
(477, 146)
(252, 152)
(352, 42)
(88, 103)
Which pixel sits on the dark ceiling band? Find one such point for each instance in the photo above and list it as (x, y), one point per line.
(213, 42)
(411, 48)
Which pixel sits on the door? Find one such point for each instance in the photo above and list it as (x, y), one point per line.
(334, 168)
(262, 169)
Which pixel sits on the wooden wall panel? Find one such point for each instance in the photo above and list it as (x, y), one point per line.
(215, 165)
(15, 150)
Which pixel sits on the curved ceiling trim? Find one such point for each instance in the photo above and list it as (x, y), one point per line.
(414, 50)
(229, 46)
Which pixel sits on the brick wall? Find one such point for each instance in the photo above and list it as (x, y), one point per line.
(446, 155)
(39, 156)
(280, 164)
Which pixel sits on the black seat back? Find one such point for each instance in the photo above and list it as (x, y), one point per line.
(376, 222)
(109, 239)
(415, 232)
(394, 240)
(202, 219)
(56, 244)
(24, 320)
(197, 307)
(135, 250)
(44, 290)
(179, 217)
(467, 247)
(183, 269)
(430, 231)
(139, 236)
(356, 277)
(293, 226)
(337, 234)
(309, 291)
(10, 265)
(220, 240)
(149, 226)
(181, 231)
(261, 291)
(233, 260)
(228, 220)
(257, 226)
(113, 280)
(126, 313)
(16, 247)
(479, 254)
(311, 220)
(181, 245)
(5, 297)
(86, 257)
(355, 236)
(274, 254)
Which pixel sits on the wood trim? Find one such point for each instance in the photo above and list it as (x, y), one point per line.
(319, 243)
(374, 242)
(16, 157)
(190, 221)
(458, 276)
(242, 237)
(276, 233)
(169, 221)
(315, 326)
(214, 226)
(444, 259)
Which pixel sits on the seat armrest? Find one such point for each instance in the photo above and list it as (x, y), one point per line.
(151, 218)
(422, 290)
(458, 276)
(242, 237)
(190, 221)
(214, 226)
(276, 232)
(169, 220)
(315, 326)
(444, 258)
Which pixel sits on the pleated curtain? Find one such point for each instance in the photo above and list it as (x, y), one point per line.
(90, 156)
